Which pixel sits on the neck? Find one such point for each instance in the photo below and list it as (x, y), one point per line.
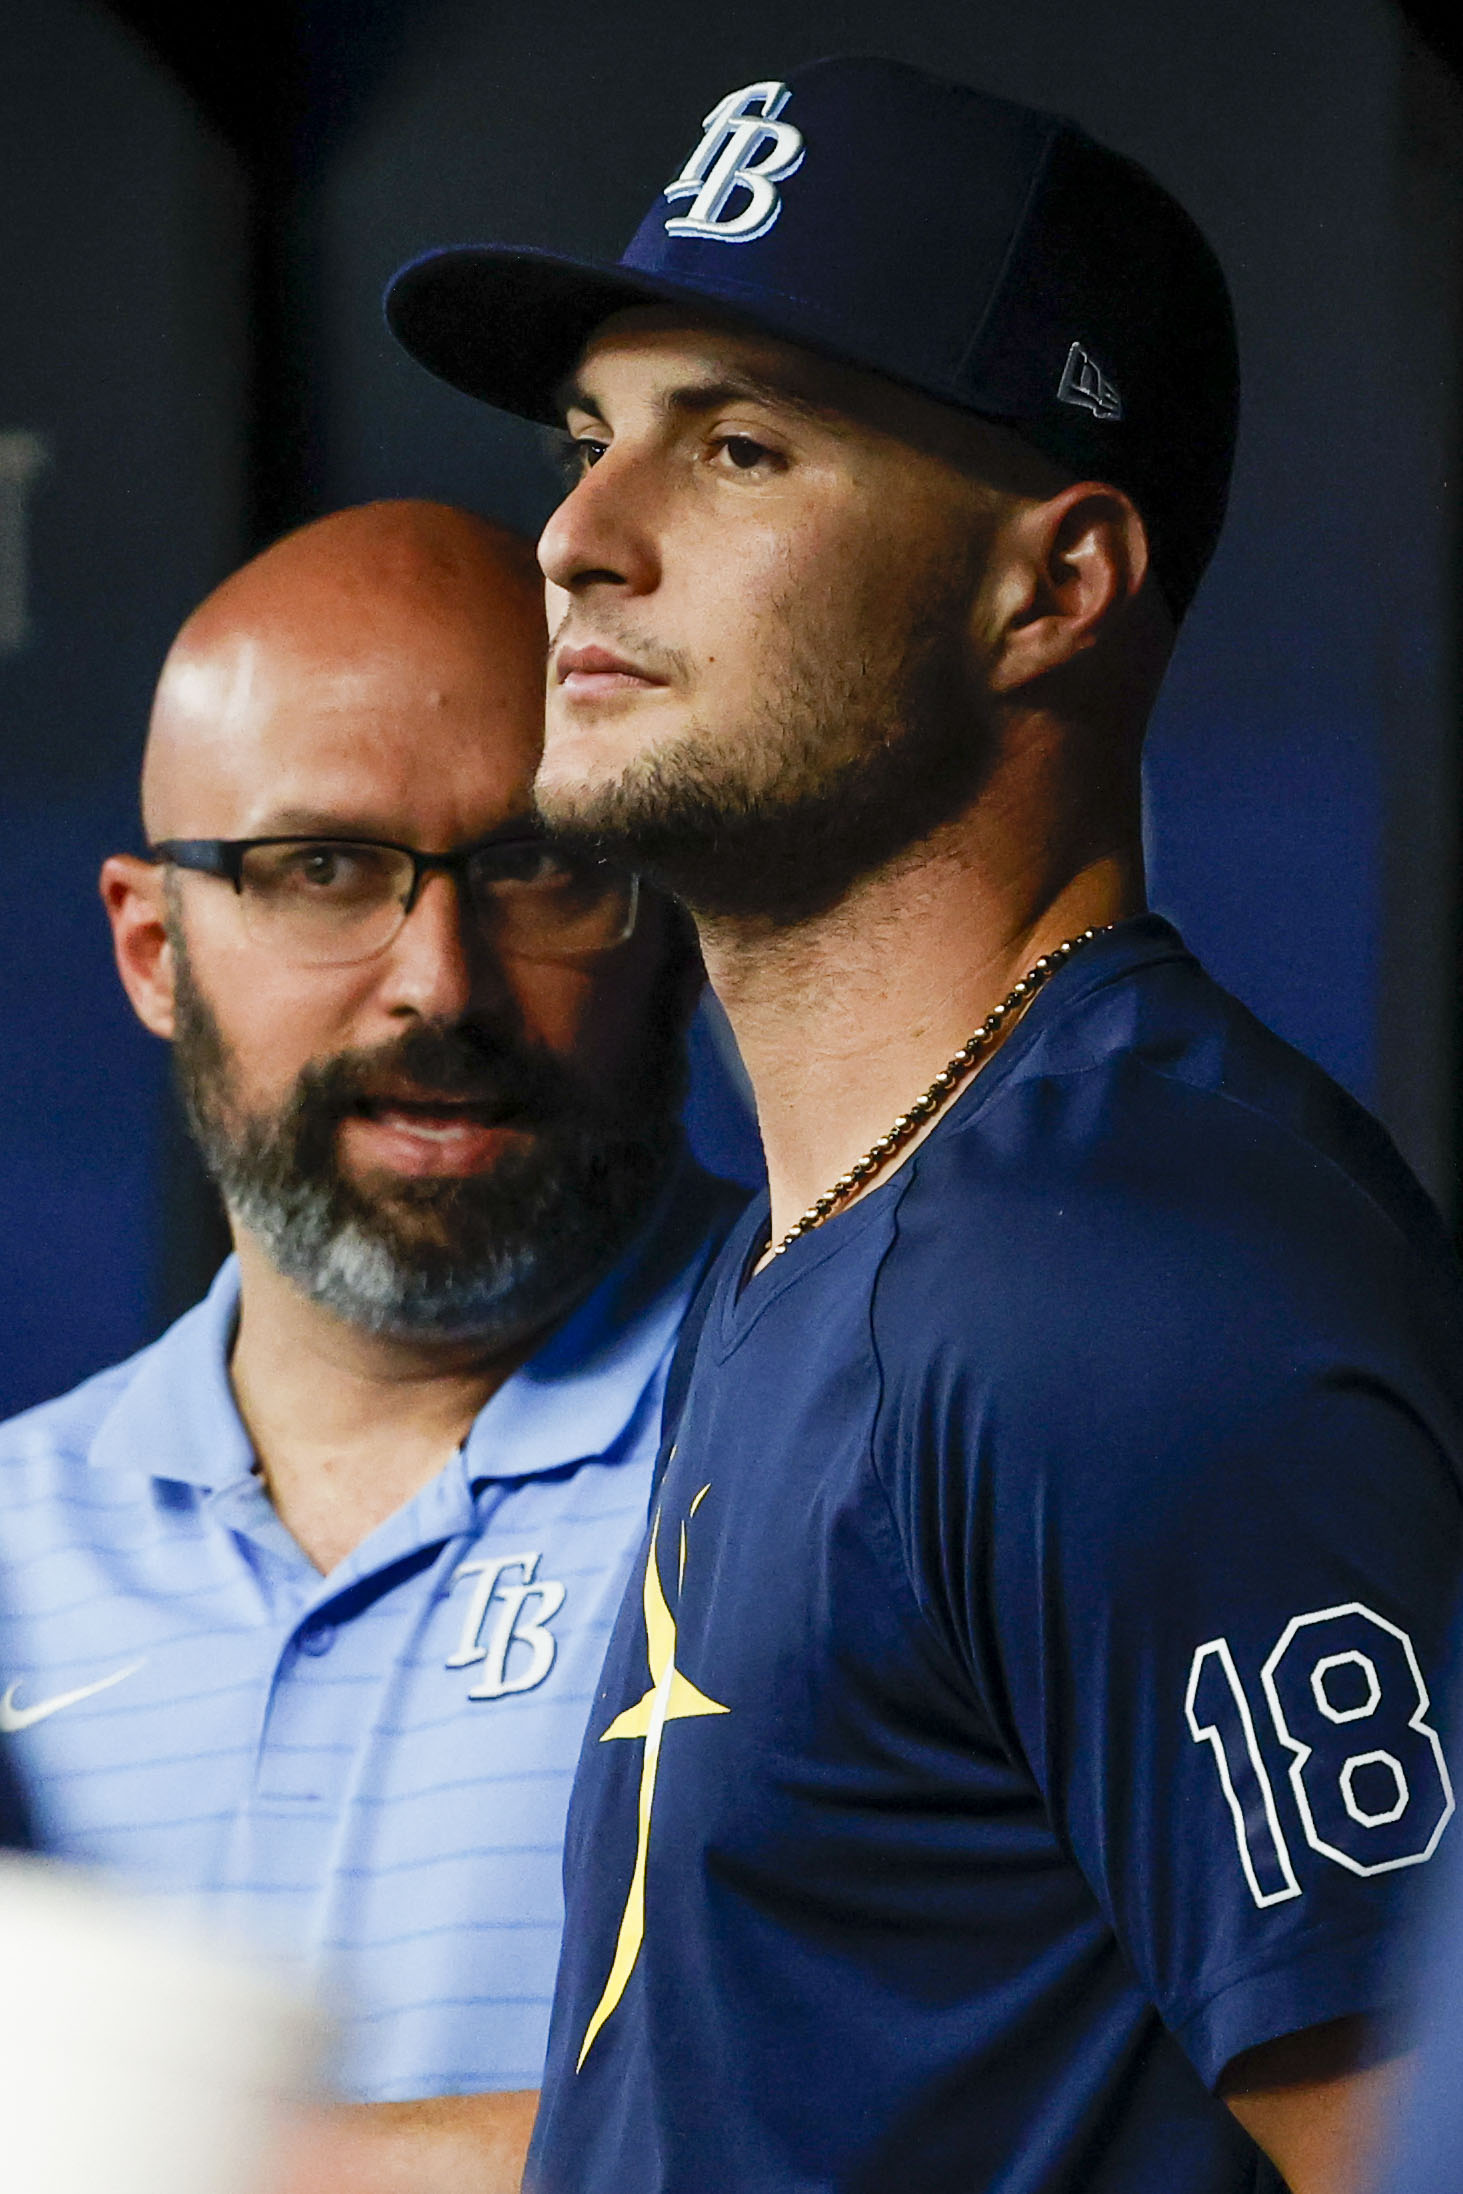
(347, 1425)
(843, 1021)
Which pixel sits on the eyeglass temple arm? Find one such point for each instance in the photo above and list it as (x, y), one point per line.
(208, 856)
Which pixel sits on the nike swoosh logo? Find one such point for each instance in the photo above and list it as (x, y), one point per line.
(13, 1717)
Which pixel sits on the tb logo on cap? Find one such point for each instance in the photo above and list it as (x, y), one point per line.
(745, 149)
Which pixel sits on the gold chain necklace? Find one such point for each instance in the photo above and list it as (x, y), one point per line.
(949, 1078)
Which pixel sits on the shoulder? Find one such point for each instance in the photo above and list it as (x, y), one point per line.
(1171, 1347)
(1160, 1149)
(1165, 1237)
(63, 1430)
(140, 1406)
(52, 1495)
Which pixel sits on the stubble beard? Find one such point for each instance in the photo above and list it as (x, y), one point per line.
(488, 1258)
(858, 749)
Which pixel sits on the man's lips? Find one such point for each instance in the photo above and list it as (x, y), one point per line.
(431, 1135)
(595, 671)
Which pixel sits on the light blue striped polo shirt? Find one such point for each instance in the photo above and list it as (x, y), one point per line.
(367, 1773)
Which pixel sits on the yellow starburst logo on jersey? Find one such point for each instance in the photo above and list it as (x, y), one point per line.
(672, 1697)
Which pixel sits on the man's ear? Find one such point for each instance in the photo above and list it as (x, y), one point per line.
(1064, 573)
(133, 895)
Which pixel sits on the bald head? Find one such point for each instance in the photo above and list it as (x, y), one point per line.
(365, 650)
(437, 1108)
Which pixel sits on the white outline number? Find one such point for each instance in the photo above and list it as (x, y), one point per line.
(1336, 1819)
(1381, 1806)
(1247, 1788)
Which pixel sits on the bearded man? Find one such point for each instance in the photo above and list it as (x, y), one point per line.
(304, 1605)
(1015, 1751)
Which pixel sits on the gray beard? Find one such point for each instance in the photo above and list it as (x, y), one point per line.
(490, 1258)
(494, 1292)
(340, 1263)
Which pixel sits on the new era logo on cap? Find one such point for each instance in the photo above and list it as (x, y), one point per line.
(1084, 383)
(731, 178)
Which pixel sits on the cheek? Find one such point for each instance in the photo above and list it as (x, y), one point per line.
(273, 1020)
(775, 597)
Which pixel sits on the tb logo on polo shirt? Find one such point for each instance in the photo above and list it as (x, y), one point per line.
(511, 1606)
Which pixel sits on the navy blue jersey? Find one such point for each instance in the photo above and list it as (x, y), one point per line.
(1022, 1703)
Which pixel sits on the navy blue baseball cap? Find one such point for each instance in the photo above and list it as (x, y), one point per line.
(995, 257)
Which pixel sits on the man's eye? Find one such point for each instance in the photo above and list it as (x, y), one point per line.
(744, 454)
(326, 868)
(330, 872)
(583, 452)
(529, 863)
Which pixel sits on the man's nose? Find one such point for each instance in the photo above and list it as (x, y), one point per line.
(604, 532)
(440, 964)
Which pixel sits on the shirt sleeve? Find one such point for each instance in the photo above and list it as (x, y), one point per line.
(1225, 1685)
(1198, 1542)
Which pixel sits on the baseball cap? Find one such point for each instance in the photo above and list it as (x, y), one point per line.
(991, 255)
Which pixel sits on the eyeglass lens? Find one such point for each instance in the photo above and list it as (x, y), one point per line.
(326, 904)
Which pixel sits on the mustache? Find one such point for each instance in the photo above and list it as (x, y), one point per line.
(461, 1061)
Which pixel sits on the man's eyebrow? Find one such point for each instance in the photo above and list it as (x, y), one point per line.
(570, 396)
(308, 822)
(741, 386)
(745, 386)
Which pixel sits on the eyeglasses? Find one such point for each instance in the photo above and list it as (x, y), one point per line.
(326, 902)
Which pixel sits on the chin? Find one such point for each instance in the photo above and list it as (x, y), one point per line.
(588, 755)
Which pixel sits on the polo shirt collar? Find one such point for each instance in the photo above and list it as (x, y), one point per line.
(576, 1397)
(176, 1418)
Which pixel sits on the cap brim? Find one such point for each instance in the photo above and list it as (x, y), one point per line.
(506, 325)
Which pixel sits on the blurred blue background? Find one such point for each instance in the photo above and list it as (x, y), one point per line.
(198, 214)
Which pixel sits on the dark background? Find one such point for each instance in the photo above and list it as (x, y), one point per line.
(197, 214)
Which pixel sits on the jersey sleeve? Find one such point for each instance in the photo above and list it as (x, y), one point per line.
(1199, 1548)
(1238, 1734)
